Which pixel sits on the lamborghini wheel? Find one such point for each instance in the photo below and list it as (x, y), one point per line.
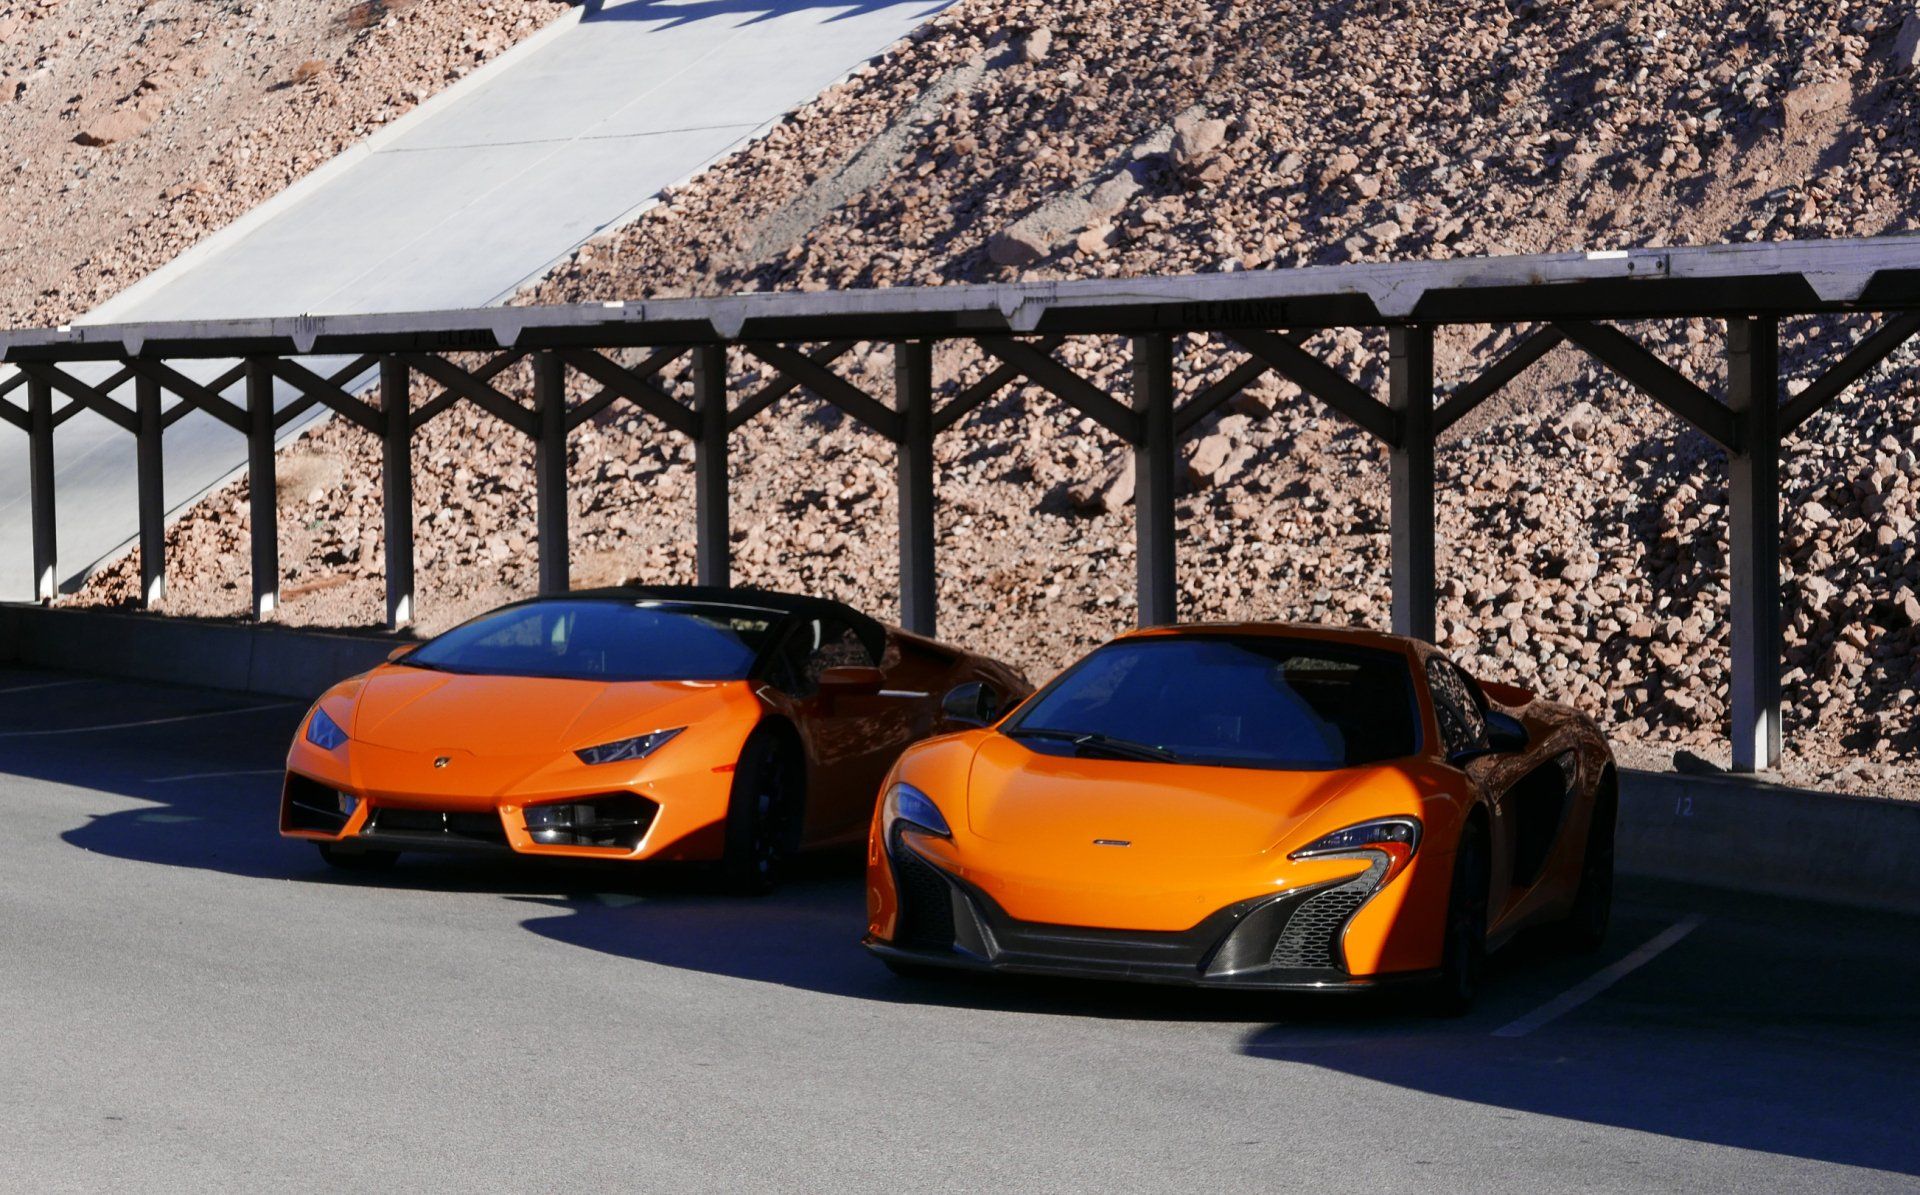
(1585, 928)
(1464, 950)
(343, 859)
(762, 815)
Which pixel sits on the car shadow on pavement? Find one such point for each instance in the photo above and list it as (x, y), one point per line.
(1760, 1030)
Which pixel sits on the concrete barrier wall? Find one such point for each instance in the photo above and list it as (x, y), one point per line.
(1743, 834)
(1724, 832)
(269, 660)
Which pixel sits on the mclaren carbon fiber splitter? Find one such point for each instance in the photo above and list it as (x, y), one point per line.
(1248, 806)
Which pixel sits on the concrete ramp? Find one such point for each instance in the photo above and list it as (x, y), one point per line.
(479, 190)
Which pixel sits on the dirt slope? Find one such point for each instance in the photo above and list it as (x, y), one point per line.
(129, 129)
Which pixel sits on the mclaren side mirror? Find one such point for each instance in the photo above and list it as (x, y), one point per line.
(971, 704)
(851, 681)
(1506, 734)
(405, 649)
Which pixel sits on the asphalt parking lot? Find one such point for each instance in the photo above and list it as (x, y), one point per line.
(193, 1003)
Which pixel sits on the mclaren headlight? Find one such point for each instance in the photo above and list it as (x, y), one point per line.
(1397, 838)
(907, 804)
(323, 732)
(623, 750)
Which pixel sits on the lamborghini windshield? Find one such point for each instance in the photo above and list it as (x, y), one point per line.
(605, 640)
(1254, 701)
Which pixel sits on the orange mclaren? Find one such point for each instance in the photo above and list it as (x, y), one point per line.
(1248, 806)
(668, 723)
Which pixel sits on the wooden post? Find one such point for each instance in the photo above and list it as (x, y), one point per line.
(713, 544)
(396, 482)
(151, 482)
(550, 472)
(913, 395)
(1411, 482)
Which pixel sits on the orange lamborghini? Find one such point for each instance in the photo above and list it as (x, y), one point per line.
(1248, 806)
(668, 723)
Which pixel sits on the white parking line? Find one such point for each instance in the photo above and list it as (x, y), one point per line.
(52, 684)
(250, 709)
(1599, 982)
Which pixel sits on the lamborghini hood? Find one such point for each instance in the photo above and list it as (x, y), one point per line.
(417, 709)
(1062, 806)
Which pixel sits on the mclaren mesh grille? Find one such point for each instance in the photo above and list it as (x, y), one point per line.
(926, 901)
(1312, 936)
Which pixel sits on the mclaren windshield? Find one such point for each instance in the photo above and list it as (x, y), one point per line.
(1250, 701)
(605, 640)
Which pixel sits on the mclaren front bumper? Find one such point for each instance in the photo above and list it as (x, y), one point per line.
(1289, 941)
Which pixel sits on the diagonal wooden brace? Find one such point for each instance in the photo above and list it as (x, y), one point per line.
(618, 382)
(1654, 378)
(1042, 370)
(832, 387)
(475, 388)
(1324, 383)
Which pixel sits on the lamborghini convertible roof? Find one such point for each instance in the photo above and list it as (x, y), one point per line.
(793, 605)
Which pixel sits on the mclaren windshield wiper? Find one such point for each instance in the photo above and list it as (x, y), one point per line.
(1087, 742)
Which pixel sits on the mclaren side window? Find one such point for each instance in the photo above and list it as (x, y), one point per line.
(1251, 701)
(603, 640)
(1456, 706)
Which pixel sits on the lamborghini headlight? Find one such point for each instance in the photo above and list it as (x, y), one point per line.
(622, 750)
(1397, 838)
(905, 803)
(323, 732)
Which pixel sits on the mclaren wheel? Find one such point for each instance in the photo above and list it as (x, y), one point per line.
(1585, 928)
(763, 814)
(347, 859)
(1463, 957)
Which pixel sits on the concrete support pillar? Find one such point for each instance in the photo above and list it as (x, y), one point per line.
(150, 480)
(1411, 361)
(713, 532)
(40, 484)
(262, 488)
(1753, 389)
(550, 472)
(396, 485)
(1153, 480)
(913, 395)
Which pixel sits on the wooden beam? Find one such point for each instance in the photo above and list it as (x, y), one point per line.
(1849, 369)
(93, 400)
(327, 393)
(831, 387)
(1323, 382)
(981, 391)
(476, 390)
(1209, 400)
(750, 407)
(1069, 387)
(193, 394)
(581, 413)
(621, 382)
(1494, 378)
(1654, 378)
(445, 400)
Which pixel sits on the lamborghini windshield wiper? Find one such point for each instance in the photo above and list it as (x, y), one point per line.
(1086, 742)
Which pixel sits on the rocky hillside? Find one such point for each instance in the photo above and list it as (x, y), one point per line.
(1582, 531)
(129, 129)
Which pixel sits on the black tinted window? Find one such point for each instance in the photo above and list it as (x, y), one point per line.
(1463, 726)
(604, 640)
(1245, 701)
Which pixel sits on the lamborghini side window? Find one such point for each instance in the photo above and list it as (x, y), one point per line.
(837, 647)
(1463, 726)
